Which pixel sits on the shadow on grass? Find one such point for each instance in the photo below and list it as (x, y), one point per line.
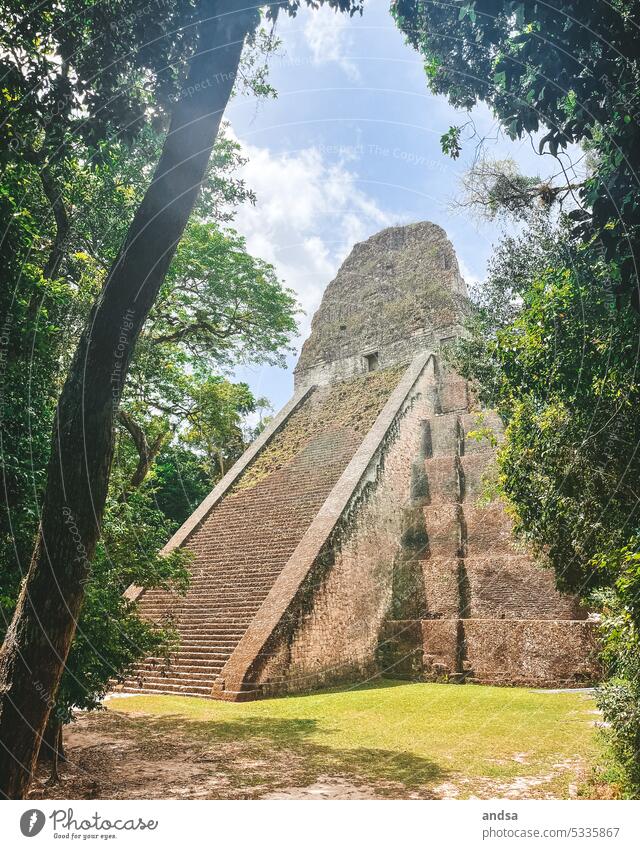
(281, 747)
(377, 683)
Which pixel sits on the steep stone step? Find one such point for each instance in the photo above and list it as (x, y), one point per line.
(163, 687)
(205, 660)
(180, 665)
(178, 676)
(197, 654)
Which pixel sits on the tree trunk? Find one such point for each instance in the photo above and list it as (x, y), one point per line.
(38, 641)
(54, 196)
(52, 740)
(52, 749)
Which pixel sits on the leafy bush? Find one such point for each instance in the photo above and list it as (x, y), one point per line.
(619, 697)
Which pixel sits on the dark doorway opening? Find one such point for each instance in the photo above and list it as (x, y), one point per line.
(372, 361)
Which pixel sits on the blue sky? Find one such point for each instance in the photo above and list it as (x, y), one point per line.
(351, 145)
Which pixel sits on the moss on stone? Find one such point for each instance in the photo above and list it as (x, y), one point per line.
(353, 404)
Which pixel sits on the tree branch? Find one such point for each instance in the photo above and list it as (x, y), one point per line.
(187, 330)
(146, 453)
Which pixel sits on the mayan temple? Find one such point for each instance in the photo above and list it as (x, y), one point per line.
(357, 537)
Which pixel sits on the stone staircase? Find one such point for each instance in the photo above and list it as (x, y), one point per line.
(245, 541)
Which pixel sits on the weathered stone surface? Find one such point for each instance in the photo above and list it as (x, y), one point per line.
(478, 475)
(440, 645)
(442, 586)
(445, 436)
(525, 652)
(508, 586)
(531, 652)
(444, 480)
(444, 529)
(453, 395)
(398, 293)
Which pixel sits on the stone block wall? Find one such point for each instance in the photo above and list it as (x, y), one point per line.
(510, 586)
(422, 578)
(557, 652)
(358, 535)
(512, 652)
(440, 645)
(442, 586)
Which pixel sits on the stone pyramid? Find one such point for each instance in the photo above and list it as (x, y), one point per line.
(355, 537)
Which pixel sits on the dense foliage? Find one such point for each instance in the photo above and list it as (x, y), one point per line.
(619, 697)
(572, 69)
(549, 350)
(561, 366)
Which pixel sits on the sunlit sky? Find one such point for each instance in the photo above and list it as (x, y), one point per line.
(350, 146)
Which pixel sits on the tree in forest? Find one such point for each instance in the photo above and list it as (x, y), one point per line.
(43, 317)
(71, 60)
(175, 383)
(218, 307)
(572, 69)
(549, 350)
(99, 199)
(110, 635)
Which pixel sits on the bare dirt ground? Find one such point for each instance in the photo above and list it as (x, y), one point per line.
(108, 758)
(114, 755)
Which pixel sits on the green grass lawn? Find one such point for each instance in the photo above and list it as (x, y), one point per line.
(397, 738)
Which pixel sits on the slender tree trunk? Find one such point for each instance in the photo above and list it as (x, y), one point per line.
(52, 749)
(54, 196)
(56, 254)
(52, 740)
(38, 640)
(146, 453)
(54, 777)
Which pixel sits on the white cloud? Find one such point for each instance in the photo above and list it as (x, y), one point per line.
(308, 215)
(328, 39)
